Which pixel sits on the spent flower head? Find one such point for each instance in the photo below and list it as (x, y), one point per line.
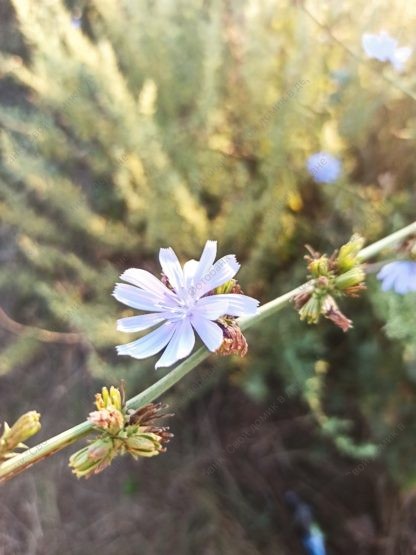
(188, 299)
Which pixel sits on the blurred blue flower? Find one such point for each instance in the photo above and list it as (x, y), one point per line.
(399, 276)
(324, 167)
(314, 542)
(180, 306)
(76, 22)
(384, 48)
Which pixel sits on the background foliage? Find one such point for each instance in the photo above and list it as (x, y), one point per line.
(127, 126)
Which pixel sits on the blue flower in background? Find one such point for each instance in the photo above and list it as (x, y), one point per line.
(314, 543)
(76, 19)
(399, 276)
(384, 48)
(185, 307)
(324, 167)
(311, 537)
(76, 22)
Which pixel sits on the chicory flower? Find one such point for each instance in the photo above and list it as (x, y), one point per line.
(186, 304)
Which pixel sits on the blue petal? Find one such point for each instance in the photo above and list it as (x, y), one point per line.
(181, 344)
(399, 276)
(400, 57)
(209, 332)
(145, 280)
(210, 308)
(406, 280)
(172, 269)
(387, 270)
(221, 272)
(189, 270)
(206, 261)
(140, 323)
(214, 306)
(142, 300)
(150, 344)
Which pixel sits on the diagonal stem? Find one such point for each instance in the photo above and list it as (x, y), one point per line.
(21, 462)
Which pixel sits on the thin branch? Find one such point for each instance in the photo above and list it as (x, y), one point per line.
(40, 334)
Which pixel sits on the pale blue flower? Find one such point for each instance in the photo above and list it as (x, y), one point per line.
(399, 276)
(181, 311)
(385, 48)
(324, 167)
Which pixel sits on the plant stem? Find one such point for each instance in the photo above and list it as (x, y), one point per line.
(387, 242)
(24, 460)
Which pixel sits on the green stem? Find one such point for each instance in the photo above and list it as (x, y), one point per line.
(387, 242)
(20, 462)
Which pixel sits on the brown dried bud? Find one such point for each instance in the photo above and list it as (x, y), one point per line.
(301, 298)
(143, 421)
(234, 341)
(147, 415)
(355, 290)
(331, 311)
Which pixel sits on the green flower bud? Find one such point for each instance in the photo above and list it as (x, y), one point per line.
(348, 254)
(351, 278)
(319, 266)
(93, 458)
(107, 398)
(227, 287)
(143, 444)
(24, 428)
(311, 310)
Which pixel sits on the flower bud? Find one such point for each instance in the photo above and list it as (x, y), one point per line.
(349, 279)
(24, 428)
(311, 310)
(110, 419)
(93, 458)
(319, 267)
(144, 445)
(227, 287)
(348, 254)
(107, 398)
